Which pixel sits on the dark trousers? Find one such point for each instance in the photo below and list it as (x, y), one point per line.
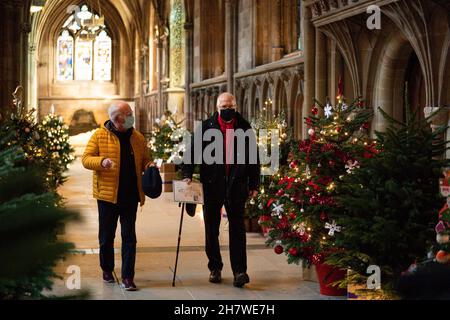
(108, 214)
(238, 241)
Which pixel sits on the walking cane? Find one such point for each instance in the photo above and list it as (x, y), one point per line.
(178, 246)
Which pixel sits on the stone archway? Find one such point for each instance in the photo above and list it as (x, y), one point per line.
(68, 97)
(390, 79)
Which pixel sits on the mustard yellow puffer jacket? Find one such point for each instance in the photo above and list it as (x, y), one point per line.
(105, 144)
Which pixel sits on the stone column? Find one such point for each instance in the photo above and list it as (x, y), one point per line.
(277, 47)
(14, 30)
(230, 18)
(321, 67)
(309, 53)
(188, 76)
(159, 53)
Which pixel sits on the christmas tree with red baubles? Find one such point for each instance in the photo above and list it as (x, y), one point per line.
(300, 207)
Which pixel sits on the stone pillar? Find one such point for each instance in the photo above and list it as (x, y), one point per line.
(188, 75)
(230, 18)
(277, 47)
(309, 53)
(321, 67)
(14, 30)
(159, 58)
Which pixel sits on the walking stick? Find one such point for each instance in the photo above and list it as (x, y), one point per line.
(178, 246)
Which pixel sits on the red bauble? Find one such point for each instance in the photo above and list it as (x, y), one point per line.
(293, 251)
(315, 111)
(293, 164)
(331, 163)
(292, 215)
(365, 126)
(278, 249)
(280, 192)
(323, 217)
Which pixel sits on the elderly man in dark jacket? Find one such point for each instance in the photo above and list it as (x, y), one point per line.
(227, 183)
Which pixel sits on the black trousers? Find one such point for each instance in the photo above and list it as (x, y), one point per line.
(238, 241)
(108, 214)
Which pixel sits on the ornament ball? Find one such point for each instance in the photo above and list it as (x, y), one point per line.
(293, 251)
(278, 249)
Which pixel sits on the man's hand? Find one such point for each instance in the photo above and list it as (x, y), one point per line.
(107, 163)
(253, 193)
(187, 180)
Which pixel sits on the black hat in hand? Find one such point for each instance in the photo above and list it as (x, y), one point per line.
(152, 183)
(190, 209)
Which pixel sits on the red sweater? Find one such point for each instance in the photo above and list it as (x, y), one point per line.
(228, 143)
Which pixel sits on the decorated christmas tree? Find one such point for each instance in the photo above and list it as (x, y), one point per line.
(54, 140)
(441, 250)
(266, 125)
(31, 214)
(166, 140)
(301, 210)
(391, 202)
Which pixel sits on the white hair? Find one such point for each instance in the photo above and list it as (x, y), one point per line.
(113, 110)
(226, 94)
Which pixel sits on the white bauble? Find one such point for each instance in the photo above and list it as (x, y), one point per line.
(442, 238)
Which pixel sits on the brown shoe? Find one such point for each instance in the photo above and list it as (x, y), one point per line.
(108, 277)
(128, 284)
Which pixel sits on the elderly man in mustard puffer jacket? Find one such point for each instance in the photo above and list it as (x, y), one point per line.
(118, 155)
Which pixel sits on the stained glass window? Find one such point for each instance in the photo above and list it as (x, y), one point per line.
(83, 62)
(65, 56)
(84, 48)
(103, 57)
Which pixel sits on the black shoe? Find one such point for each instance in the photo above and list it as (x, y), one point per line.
(240, 279)
(128, 284)
(108, 277)
(215, 276)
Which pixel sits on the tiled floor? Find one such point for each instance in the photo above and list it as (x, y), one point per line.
(157, 234)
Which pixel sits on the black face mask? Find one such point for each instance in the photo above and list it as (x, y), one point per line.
(227, 114)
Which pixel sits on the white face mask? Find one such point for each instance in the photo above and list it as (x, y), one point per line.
(129, 122)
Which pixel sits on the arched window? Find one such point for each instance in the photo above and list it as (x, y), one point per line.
(84, 48)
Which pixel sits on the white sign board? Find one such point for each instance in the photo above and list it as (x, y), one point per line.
(187, 193)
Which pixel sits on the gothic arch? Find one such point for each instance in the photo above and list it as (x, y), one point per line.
(76, 94)
(390, 79)
(295, 103)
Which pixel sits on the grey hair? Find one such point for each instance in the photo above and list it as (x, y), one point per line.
(113, 111)
(229, 94)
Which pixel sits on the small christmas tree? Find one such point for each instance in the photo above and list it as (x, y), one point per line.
(166, 140)
(301, 211)
(271, 124)
(54, 140)
(391, 202)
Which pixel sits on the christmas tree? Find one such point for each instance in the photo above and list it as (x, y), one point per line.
(441, 250)
(391, 202)
(301, 208)
(45, 144)
(30, 217)
(54, 140)
(31, 212)
(166, 140)
(266, 125)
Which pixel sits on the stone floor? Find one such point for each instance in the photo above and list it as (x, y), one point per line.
(157, 234)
